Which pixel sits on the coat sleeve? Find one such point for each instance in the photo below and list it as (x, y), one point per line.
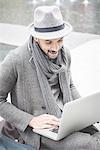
(9, 111)
(74, 92)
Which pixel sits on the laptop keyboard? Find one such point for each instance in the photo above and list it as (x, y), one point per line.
(55, 130)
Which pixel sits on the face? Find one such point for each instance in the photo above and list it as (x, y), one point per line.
(50, 47)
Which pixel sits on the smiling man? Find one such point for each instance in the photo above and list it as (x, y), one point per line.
(50, 47)
(37, 76)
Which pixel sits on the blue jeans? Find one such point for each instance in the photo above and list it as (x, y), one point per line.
(9, 144)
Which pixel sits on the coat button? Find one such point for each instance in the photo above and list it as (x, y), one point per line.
(43, 107)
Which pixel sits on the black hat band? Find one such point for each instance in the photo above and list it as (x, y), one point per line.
(51, 29)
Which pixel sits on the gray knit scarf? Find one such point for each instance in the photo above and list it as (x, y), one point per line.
(48, 70)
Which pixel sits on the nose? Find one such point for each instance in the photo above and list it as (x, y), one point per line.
(54, 47)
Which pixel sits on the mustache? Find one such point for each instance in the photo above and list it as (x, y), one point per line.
(52, 50)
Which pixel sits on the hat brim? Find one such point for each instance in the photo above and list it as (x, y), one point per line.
(51, 35)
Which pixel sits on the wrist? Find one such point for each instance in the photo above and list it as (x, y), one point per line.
(31, 123)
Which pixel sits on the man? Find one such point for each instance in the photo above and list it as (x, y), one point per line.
(37, 76)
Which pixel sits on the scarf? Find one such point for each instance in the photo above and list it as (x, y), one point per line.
(47, 71)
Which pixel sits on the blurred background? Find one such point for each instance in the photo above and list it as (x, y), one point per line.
(84, 15)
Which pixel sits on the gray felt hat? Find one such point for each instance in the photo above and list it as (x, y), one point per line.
(48, 23)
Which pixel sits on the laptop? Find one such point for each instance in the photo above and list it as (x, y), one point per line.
(76, 115)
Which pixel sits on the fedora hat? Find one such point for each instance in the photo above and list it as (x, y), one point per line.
(48, 23)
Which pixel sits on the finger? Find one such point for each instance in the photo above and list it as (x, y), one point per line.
(52, 122)
(56, 119)
(53, 117)
(45, 126)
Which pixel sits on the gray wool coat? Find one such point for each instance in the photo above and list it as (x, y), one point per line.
(19, 78)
